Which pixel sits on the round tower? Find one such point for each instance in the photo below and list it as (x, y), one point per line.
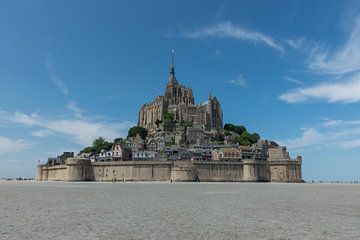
(78, 169)
(39, 173)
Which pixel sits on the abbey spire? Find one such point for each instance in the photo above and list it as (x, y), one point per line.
(172, 78)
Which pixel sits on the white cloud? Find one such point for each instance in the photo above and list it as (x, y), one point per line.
(346, 91)
(340, 69)
(330, 133)
(351, 144)
(55, 76)
(298, 43)
(339, 123)
(240, 81)
(8, 145)
(345, 60)
(293, 80)
(77, 111)
(83, 131)
(229, 30)
(310, 136)
(42, 133)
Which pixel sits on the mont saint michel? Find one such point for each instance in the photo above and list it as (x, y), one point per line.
(248, 130)
(178, 140)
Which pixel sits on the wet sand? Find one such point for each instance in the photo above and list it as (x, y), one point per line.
(57, 210)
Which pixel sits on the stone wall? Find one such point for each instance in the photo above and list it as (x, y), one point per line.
(285, 171)
(54, 173)
(183, 171)
(77, 169)
(215, 171)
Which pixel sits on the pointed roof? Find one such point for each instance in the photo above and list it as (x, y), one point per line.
(172, 78)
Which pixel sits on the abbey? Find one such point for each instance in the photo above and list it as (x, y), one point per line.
(178, 140)
(180, 101)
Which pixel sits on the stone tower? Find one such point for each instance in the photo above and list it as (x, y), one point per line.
(175, 93)
(179, 100)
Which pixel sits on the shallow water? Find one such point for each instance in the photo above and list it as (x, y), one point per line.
(57, 210)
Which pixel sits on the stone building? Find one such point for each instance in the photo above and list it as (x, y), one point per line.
(282, 167)
(226, 154)
(121, 152)
(180, 101)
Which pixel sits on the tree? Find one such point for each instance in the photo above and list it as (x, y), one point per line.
(235, 128)
(274, 144)
(118, 140)
(227, 133)
(219, 138)
(169, 121)
(137, 130)
(157, 122)
(254, 137)
(98, 142)
(185, 125)
(247, 139)
(97, 145)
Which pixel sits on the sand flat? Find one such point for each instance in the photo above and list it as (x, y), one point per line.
(60, 210)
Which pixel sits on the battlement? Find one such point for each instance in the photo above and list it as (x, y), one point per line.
(249, 170)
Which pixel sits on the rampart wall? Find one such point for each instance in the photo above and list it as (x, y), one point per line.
(77, 169)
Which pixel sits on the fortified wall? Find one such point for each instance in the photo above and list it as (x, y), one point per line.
(277, 168)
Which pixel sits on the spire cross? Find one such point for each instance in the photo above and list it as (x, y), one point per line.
(172, 57)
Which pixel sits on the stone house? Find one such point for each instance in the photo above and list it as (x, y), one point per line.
(105, 155)
(121, 152)
(226, 154)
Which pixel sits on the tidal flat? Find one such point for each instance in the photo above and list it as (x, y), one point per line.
(159, 210)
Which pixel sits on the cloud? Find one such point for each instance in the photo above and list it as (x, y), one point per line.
(292, 80)
(54, 75)
(297, 44)
(240, 81)
(339, 123)
(82, 131)
(8, 145)
(340, 69)
(330, 133)
(345, 59)
(351, 144)
(346, 91)
(310, 136)
(42, 133)
(77, 111)
(214, 54)
(229, 30)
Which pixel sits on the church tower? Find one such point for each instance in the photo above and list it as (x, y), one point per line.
(175, 93)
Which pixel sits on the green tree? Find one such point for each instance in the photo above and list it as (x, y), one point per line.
(247, 139)
(98, 142)
(97, 145)
(119, 140)
(137, 130)
(227, 133)
(244, 139)
(254, 137)
(219, 138)
(185, 125)
(235, 128)
(169, 121)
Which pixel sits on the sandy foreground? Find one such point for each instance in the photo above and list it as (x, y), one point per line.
(59, 210)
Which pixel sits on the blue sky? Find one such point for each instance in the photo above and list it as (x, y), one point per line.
(71, 71)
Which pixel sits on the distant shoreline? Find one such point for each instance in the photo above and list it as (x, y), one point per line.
(165, 182)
